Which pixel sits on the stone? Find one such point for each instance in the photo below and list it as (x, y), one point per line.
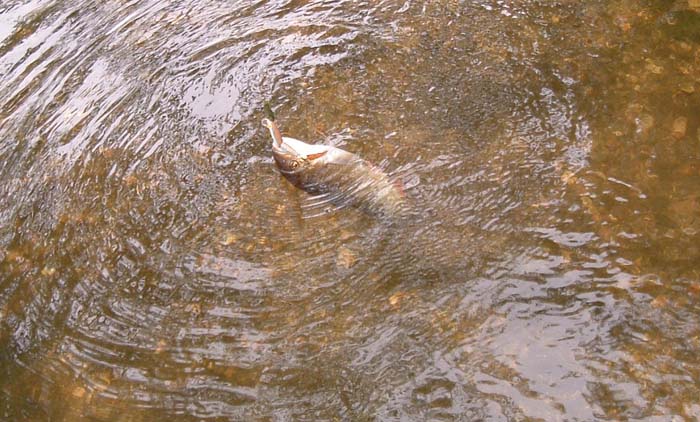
(660, 302)
(569, 177)
(687, 87)
(161, 346)
(680, 126)
(654, 68)
(396, 298)
(345, 258)
(645, 122)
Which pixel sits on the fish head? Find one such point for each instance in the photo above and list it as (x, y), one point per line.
(292, 155)
(289, 161)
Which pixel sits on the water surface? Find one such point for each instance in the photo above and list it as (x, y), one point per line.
(155, 266)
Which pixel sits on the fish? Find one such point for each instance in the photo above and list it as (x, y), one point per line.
(340, 176)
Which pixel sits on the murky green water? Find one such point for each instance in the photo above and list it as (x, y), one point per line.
(155, 266)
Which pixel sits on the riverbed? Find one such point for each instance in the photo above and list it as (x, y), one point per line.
(154, 265)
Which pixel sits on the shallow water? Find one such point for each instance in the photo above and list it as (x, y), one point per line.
(154, 265)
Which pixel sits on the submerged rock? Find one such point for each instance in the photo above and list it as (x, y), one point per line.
(679, 128)
(688, 87)
(645, 122)
(691, 5)
(345, 258)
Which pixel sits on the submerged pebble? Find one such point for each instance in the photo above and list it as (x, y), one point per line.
(679, 128)
(345, 258)
(654, 68)
(397, 298)
(687, 87)
(645, 122)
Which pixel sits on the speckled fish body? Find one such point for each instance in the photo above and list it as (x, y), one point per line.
(342, 177)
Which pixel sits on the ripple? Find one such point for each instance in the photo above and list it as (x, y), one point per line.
(155, 264)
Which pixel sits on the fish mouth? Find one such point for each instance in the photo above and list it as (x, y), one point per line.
(274, 132)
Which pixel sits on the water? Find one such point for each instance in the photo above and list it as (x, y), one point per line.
(154, 265)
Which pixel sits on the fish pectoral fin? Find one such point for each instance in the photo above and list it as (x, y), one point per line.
(316, 155)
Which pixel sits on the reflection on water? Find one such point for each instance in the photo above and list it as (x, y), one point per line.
(155, 265)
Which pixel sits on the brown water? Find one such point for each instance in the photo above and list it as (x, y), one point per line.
(155, 266)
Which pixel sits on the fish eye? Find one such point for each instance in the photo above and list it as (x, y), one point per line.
(294, 164)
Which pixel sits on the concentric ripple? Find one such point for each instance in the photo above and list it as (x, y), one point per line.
(155, 265)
